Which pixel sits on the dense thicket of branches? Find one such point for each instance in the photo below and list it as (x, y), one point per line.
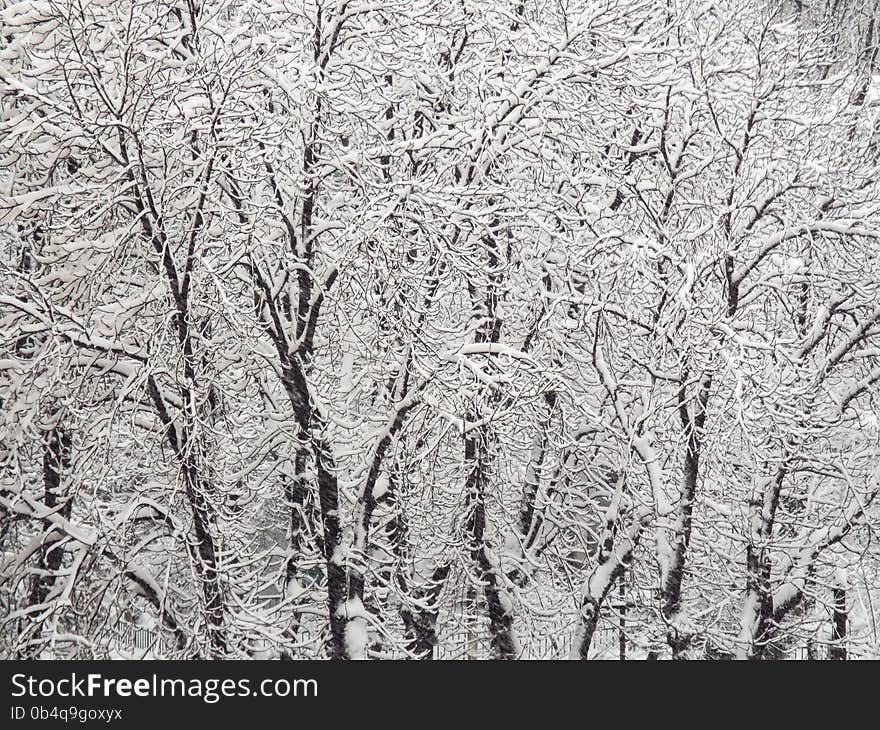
(339, 328)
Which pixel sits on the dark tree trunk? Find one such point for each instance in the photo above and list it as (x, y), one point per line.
(837, 650)
(50, 558)
(672, 587)
(337, 588)
(500, 617)
(56, 460)
(205, 559)
(421, 623)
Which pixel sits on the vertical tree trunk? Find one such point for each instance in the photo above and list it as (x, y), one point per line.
(420, 624)
(337, 588)
(499, 608)
(837, 650)
(296, 491)
(610, 565)
(678, 638)
(421, 616)
(56, 461)
(205, 560)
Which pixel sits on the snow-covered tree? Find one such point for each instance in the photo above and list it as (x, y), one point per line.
(342, 329)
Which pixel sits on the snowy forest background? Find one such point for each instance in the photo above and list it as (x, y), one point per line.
(439, 328)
